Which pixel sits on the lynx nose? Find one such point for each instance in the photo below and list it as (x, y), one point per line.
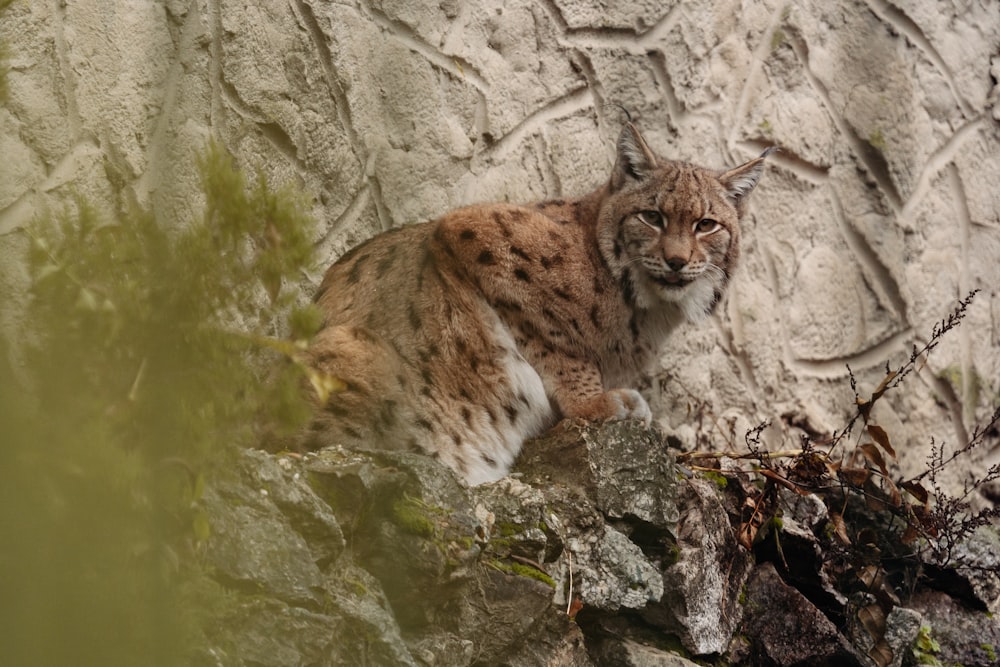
(676, 263)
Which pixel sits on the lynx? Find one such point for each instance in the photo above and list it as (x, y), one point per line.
(465, 336)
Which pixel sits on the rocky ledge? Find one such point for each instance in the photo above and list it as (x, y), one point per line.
(599, 550)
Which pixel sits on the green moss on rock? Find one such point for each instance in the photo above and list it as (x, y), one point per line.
(521, 570)
(412, 516)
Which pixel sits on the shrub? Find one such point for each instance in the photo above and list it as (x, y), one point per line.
(138, 371)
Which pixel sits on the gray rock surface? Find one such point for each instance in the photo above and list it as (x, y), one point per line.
(902, 629)
(785, 629)
(609, 485)
(977, 571)
(965, 636)
(702, 588)
(627, 653)
(385, 558)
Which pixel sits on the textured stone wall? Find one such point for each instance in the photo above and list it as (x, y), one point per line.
(881, 211)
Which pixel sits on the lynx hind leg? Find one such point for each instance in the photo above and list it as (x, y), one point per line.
(369, 411)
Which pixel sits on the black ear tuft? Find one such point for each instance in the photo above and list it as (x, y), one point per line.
(634, 161)
(740, 181)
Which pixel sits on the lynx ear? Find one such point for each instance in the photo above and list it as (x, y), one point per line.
(635, 161)
(740, 181)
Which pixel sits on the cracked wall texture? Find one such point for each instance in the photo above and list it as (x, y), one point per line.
(882, 210)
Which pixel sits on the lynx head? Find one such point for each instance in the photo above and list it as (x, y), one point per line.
(671, 230)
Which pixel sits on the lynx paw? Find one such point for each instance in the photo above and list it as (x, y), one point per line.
(616, 404)
(629, 404)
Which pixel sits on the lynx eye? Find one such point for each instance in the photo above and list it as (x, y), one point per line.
(705, 226)
(651, 218)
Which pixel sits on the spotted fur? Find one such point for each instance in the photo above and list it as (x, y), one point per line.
(464, 336)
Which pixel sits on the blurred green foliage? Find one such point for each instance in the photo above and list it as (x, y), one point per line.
(147, 357)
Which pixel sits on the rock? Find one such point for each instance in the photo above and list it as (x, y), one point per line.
(587, 474)
(627, 653)
(785, 629)
(556, 642)
(624, 468)
(387, 555)
(974, 570)
(271, 542)
(255, 546)
(430, 572)
(288, 489)
(265, 631)
(611, 493)
(413, 526)
(444, 558)
(701, 602)
(514, 623)
(443, 649)
(612, 572)
(564, 520)
(518, 521)
(801, 554)
(965, 636)
(901, 629)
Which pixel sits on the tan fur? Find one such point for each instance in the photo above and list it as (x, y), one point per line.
(464, 336)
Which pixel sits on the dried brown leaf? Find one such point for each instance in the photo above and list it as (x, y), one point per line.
(881, 653)
(883, 385)
(916, 490)
(785, 482)
(895, 497)
(748, 529)
(839, 528)
(855, 476)
(869, 538)
(874, 456)
(872, 619)
(869, 575)
(879, 435)
(875, 503)
(746, 534)
(927, 521)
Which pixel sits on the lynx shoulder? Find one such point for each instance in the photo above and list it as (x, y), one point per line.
(464, 336)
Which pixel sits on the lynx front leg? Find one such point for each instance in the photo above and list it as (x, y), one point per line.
(578, 391)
